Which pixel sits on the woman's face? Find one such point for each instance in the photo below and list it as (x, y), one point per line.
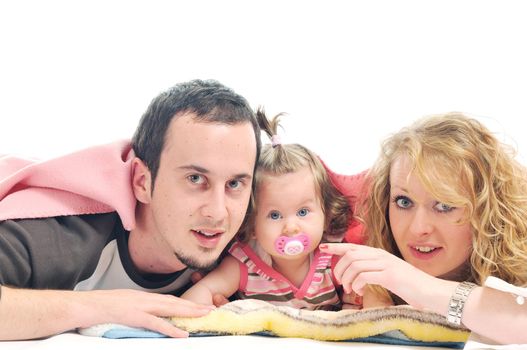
(426, 231)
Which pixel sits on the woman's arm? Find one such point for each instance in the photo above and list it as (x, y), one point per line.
(223, 280)
(491, 313)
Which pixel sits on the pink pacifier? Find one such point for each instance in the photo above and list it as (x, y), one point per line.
(291, 245)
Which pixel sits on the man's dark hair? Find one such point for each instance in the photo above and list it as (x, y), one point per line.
(210, 101)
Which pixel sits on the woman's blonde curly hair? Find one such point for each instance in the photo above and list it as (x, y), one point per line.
(461, 164)
(288, 158)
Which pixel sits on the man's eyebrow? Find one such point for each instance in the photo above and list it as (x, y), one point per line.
(194, 167)
(206, 171)
(243, 176)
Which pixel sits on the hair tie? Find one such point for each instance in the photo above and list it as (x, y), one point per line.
(275, 140)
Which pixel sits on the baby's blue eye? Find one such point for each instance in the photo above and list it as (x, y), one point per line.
(274, 215)
(302, 212)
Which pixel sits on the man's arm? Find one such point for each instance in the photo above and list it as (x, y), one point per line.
(29, 314)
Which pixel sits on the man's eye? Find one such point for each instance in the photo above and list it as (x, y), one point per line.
(302, 212)
(234, 184)
(443, 208)
(275, 215)
(197, 179)
(403, 202)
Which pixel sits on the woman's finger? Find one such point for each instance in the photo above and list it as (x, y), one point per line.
(360, 269)
(337, 248)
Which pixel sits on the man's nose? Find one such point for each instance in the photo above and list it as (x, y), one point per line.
(216, 204)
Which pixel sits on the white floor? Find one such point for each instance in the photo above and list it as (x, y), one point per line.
(80, 342)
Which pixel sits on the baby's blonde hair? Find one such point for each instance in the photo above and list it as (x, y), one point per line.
(288, 158)
(461, 164)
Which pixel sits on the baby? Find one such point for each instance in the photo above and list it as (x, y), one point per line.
(276, 257)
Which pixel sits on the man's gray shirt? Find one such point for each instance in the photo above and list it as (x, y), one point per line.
(83, 252)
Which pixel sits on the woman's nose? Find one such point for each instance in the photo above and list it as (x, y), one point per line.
(421, 222)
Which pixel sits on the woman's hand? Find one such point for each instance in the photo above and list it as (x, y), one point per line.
(361, 265)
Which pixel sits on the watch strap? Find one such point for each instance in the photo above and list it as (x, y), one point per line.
(457, 302)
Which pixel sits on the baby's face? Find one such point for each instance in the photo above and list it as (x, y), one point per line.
(287, 206)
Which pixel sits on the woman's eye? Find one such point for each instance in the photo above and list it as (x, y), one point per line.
(403, 202)
(195, 178)
(443, 208)
(302, 212)
(274, 215)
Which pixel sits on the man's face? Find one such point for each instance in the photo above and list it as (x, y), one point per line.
(201, 191)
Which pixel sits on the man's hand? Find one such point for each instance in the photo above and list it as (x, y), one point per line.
(140, 309)
(41, 313)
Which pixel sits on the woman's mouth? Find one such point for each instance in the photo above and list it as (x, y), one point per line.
(424, 252)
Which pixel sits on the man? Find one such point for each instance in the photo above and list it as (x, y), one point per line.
(195, 153)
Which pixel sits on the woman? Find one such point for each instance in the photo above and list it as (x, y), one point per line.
(446, 203)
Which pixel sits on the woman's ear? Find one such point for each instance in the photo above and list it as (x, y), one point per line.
(141, 181)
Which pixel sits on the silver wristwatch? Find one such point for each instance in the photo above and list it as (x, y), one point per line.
(457, 302)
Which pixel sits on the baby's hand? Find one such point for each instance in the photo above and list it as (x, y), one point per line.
(217, 299)
(371, 299)
(351, 300)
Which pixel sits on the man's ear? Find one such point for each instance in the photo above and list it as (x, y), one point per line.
(141, 181)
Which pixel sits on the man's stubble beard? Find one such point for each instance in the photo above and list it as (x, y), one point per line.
(194, 262)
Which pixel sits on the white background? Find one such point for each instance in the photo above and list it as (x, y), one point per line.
(79, 73)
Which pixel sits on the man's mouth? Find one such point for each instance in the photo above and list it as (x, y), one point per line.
(208, 238)
(207, 233)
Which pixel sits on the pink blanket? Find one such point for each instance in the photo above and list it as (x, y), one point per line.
(98, 180)
(94, 180)
(351, 186)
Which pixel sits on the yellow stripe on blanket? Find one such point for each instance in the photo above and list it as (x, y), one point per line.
(243, 317)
